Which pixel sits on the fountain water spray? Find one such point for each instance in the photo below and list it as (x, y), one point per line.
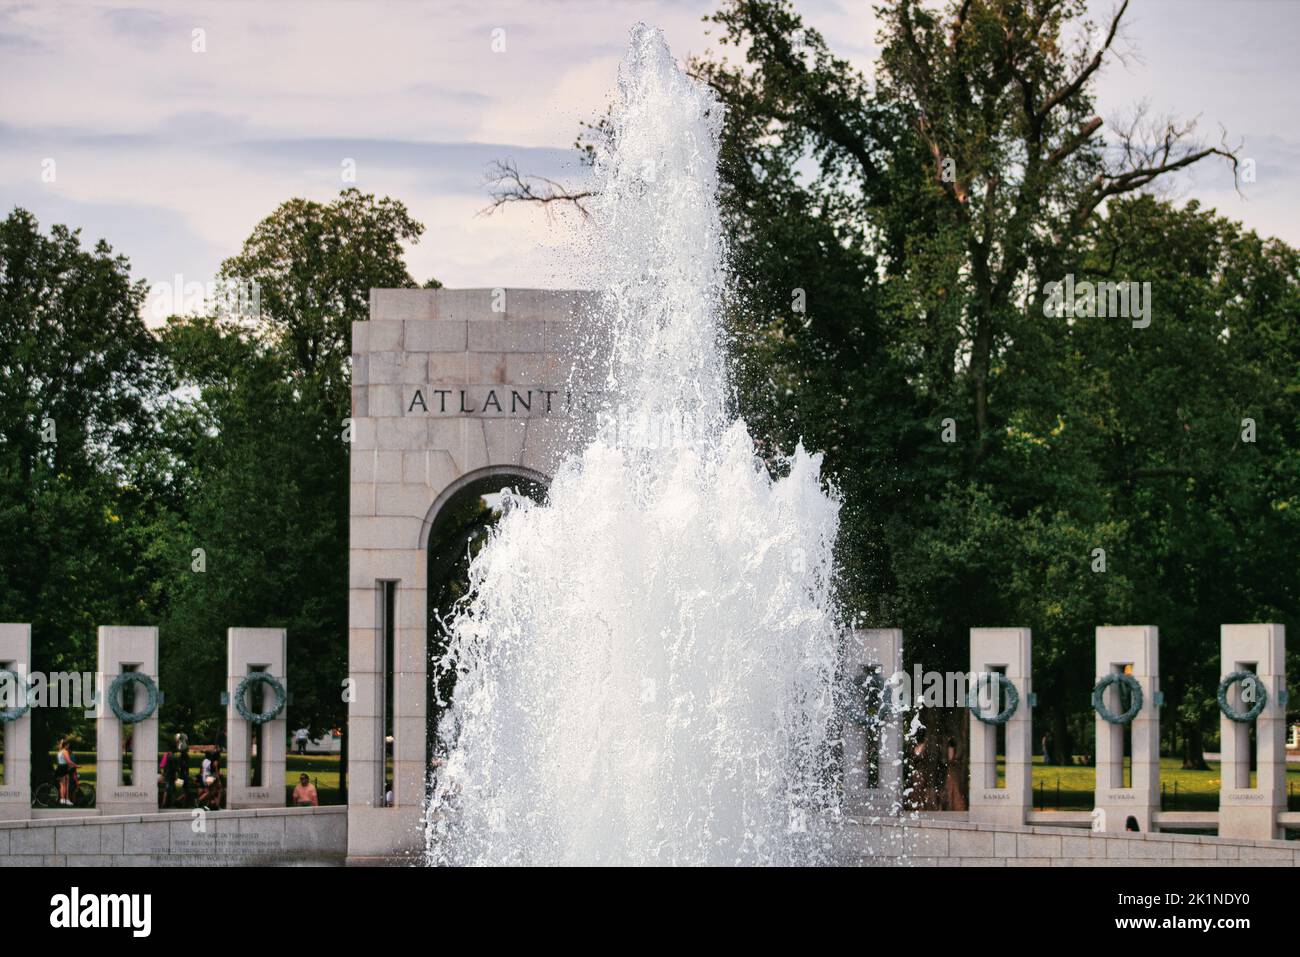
(646, 662)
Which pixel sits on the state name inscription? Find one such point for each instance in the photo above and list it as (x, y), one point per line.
(487, 400)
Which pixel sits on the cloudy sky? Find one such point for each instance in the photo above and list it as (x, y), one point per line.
(173, 154)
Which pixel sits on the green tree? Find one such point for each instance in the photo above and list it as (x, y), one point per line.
(311, 266)
(919, 217)
(262, 450)
(1191, 424)
(80, 382)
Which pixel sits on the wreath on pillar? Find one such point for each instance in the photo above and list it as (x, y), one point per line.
(11, 678)
(151, 696)
(1010, 694)
(1135, 698)
(260, 678)
(1257, 686)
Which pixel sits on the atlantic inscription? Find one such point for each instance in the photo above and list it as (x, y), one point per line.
(487, 400)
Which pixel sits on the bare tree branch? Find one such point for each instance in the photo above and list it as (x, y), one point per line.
(507, 185)
(1074, 142)
(1075, 85)
(959, 24)
(1147, 152)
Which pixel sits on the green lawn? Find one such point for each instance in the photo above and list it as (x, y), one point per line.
(1056, 787)
(323, 769)
(1070, 788)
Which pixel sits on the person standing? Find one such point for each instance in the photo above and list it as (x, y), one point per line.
(66, 765)
(953, 799)
(164, 781)
(167, 775)
(217, 785)
(182, 768)
(301, 737)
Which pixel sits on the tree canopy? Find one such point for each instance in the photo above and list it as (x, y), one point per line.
(894, 237)
(194, 476)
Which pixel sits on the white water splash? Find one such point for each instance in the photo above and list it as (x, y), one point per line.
(645, 668)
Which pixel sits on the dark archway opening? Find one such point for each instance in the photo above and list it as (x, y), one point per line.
(459, 529)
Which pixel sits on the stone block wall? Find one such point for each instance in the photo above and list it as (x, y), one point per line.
(267, 837)
(947, 843)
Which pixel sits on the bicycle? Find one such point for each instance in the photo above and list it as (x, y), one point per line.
(82, 794)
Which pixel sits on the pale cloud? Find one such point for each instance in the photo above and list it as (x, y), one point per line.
(174, 155)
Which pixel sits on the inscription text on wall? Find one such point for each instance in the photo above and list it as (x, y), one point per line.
(486, 400)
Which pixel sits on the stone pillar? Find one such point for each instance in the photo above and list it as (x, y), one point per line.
(366, 676)
(16, 792)
(123, 648)
(1137, 646)
(373, 829)
(410, 695)
(249, 650)
(1245, 811)
(878, 650)
(1006, 650)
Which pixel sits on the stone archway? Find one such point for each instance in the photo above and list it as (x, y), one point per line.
(450, 389)
(492, 477)
(456, 519)
(457, 526)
